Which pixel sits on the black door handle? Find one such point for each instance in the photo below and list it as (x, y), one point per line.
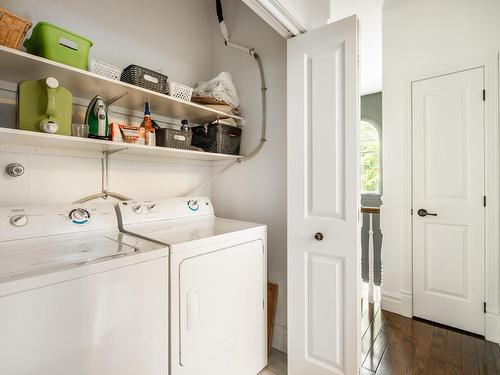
(423, 212)
(318, 236)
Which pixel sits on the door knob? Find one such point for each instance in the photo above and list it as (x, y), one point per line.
(318, 236)
(423, 212)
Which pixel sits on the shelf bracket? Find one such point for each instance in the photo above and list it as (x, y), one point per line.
(107, 153)
(112, 101)
(108, 103)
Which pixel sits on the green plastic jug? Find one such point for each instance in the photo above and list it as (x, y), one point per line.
(44, 106)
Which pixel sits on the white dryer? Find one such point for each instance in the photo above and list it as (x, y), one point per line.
(218, 284)
(79, 297)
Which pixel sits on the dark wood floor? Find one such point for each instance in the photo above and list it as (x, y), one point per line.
(393, 344)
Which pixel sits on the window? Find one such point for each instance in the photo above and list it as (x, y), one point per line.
(370, 158)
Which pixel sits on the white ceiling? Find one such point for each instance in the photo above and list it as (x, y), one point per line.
(370, 16)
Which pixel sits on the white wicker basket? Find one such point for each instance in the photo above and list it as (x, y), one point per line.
(103, 69)
(179, 91)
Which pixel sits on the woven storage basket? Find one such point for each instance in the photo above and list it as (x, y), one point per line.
(103, 69)
(179, 91)
(145, 78)
(218, 138)
(173, 138)
(207, 100)
(13, 29)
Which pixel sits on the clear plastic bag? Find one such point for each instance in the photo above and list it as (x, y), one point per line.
(221, 88)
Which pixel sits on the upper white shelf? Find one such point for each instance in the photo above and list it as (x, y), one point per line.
(64, 142)
(18, 66)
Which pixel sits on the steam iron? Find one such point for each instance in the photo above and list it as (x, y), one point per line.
(96, 118)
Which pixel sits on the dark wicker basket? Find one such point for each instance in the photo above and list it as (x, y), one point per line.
(149, 79)
(218, 138)
(173, 138)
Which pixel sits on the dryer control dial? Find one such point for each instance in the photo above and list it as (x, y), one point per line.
(19, 220)
(79, 216)
(138, 209)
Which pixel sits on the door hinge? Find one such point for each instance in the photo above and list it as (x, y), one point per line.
(411, 212)
(484, 95)
(484, 201)
(484, 307)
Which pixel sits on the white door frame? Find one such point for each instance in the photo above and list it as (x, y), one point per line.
(492, 187)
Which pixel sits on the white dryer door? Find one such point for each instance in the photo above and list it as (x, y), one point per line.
(221, 296)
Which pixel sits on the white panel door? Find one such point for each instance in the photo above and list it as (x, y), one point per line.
(323, 201)
(448, 181)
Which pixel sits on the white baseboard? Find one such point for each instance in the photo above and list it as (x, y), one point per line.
(492, 327)
(280, 338)
(398, 303)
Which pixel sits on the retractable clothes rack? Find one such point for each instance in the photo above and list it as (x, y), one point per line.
(105, 193)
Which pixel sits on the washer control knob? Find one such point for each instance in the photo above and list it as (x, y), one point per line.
(19, 220)
(193, 205)
(153, 207)
(138, 209)
(79, 216)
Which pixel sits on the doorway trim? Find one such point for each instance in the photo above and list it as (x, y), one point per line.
(492, 187)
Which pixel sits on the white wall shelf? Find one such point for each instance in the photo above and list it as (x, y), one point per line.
(16, 66)
(15, 137)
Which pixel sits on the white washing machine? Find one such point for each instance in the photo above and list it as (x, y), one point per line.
(218, 284)
(77, 296)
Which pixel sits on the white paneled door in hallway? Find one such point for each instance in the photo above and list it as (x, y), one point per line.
(448, 199)
(323, 201)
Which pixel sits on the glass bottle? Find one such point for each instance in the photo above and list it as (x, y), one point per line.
(147, 124)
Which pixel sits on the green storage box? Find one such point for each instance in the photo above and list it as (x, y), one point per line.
(57, 44)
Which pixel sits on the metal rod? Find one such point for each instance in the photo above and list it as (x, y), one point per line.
(103, 174)
(115, 151)
(105, 182)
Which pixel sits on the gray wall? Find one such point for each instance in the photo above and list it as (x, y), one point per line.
(371, 108)
(168, 35)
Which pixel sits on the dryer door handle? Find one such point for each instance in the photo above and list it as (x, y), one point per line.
(193, 309)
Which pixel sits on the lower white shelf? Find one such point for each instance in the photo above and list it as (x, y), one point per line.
(27, 138)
